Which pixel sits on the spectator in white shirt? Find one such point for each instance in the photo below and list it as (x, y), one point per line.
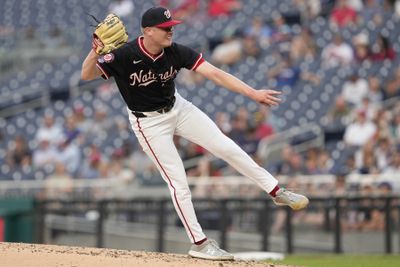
(49, 131)
(359, 132)
(44, 154)
(370, 109)
(355, 89)
(337, 53)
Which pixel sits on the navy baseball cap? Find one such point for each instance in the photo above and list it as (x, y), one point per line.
(158, 17)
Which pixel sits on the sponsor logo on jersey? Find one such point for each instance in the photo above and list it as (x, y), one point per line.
(144, 79)
(136, 61)
(108, 58)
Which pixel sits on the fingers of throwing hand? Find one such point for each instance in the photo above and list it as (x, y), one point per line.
(271, 100)
(273, 92)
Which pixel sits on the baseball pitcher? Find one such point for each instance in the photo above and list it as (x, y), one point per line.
(144, 70)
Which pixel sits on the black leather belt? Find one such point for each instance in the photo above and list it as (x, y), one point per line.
(162, 110)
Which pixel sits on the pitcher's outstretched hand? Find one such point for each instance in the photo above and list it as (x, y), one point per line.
(266, 97)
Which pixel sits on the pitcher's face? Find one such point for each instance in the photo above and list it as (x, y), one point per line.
(162, 36)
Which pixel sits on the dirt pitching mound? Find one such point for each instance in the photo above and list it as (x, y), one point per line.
(34, 255)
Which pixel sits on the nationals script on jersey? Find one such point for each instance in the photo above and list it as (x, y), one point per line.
(146, 81)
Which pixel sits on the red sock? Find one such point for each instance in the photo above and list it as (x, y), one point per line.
(273, 192)
(201, 241)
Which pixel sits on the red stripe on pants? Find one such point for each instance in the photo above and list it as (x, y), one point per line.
(169, 180)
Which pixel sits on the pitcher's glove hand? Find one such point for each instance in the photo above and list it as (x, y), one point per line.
(109, 35)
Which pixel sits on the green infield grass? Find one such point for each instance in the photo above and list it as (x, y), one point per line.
(324, 260)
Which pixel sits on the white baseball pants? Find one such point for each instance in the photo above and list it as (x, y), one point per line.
(155, 134)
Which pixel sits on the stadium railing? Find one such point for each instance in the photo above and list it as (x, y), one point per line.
(160, 210)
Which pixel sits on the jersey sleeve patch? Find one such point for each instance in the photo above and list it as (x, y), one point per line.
(107, 64)
(108, 58)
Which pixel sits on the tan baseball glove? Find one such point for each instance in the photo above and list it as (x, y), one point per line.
(109, 35)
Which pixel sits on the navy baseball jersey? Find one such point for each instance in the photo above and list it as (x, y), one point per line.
(146, 81)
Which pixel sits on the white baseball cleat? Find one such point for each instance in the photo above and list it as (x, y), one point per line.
(209, 250)
(286, 198)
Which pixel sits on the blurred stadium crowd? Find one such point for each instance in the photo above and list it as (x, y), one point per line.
(336, 63)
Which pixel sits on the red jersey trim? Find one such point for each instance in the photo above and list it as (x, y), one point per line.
(106, 76)
(147, 53)
(198, 62)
